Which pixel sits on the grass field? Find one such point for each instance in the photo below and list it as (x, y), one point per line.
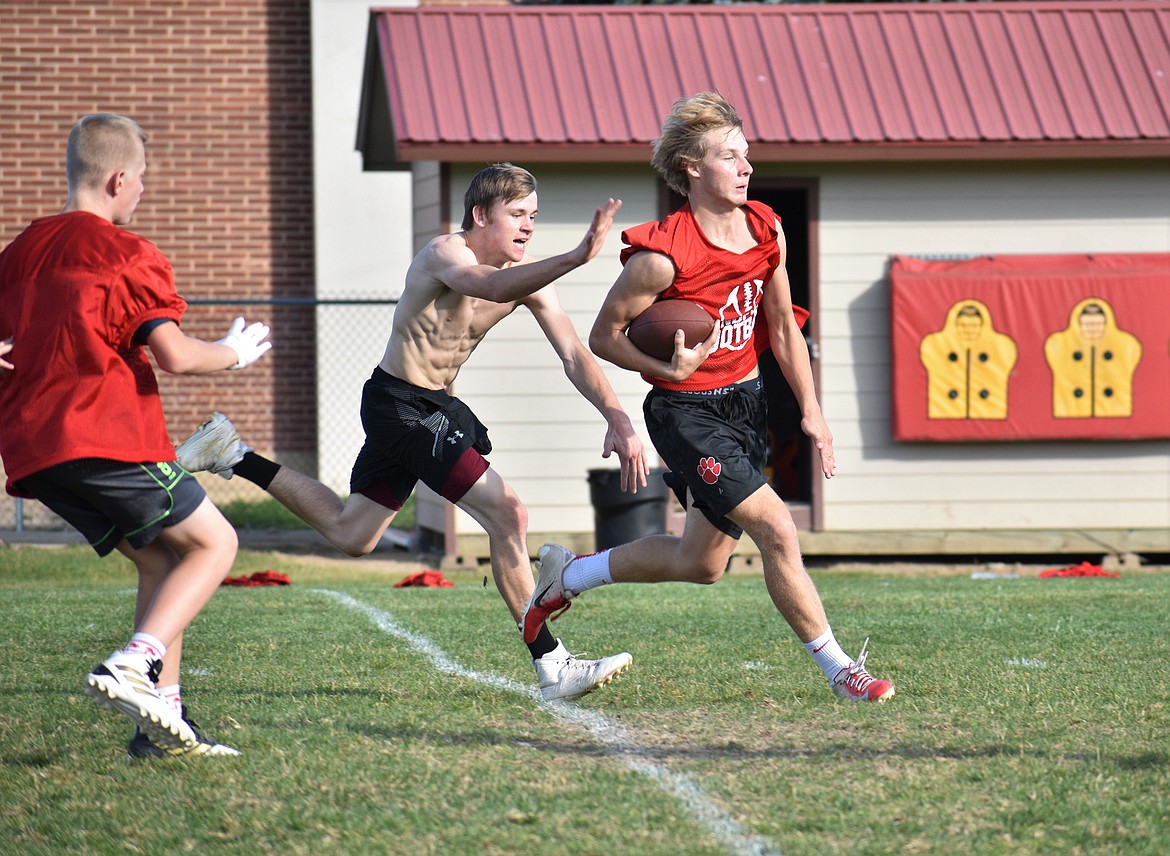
(267, 513)
(1032, 717)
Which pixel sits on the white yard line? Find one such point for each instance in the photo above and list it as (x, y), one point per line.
(617, 739)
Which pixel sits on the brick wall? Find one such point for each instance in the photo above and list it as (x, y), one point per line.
(223, 91)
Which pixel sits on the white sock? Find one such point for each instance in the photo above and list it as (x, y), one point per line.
(588, 572)
(171, 696)
(827, 654)
(144, 643)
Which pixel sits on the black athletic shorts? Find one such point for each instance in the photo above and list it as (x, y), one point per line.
(715, 444)
(412, 435)
(107, 501)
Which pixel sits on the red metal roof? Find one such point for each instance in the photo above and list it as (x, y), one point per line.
(812, 82)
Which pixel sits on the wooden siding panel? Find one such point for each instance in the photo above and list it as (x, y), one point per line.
(1058, 514)
(997, 485)
(922, 461)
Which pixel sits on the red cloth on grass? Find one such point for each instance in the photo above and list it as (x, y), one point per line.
(433, 579)
(1084, 569)
(260, 578)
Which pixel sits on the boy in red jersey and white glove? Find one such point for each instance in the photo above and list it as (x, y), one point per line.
(80, 299)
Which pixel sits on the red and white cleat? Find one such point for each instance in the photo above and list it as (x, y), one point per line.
(856, 684)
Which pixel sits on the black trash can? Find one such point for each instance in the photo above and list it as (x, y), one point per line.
(619, 518)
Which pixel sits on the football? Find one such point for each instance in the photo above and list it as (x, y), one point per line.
(653, 331)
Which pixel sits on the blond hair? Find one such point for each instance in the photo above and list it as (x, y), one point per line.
(683, 140)
(99, 144)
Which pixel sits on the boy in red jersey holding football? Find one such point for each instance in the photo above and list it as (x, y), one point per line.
(84, 432)
(706, 413)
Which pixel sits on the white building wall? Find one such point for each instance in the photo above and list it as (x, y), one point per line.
(869, 214)
(362, 225)
(547, 437)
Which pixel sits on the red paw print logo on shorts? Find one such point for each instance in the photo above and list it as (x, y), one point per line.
(709, 469)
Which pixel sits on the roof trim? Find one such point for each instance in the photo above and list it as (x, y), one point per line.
(772, 152)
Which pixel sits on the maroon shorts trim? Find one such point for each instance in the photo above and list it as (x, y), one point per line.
(383, 494)
(466, 472)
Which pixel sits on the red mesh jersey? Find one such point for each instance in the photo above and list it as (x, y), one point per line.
(74, 289)
(729, 285)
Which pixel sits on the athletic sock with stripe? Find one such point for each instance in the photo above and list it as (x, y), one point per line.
(827, 654)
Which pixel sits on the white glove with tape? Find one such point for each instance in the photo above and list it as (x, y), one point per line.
(248, 342)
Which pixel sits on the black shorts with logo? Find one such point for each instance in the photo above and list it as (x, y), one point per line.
(107, 501)
(715, 444)
(415, 434)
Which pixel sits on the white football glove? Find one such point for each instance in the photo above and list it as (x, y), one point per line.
(248, 342)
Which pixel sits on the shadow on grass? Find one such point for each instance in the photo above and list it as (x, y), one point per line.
(729, 752)
(736, 753)
(38, 761)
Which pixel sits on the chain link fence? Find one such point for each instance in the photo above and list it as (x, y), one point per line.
(299, 404)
